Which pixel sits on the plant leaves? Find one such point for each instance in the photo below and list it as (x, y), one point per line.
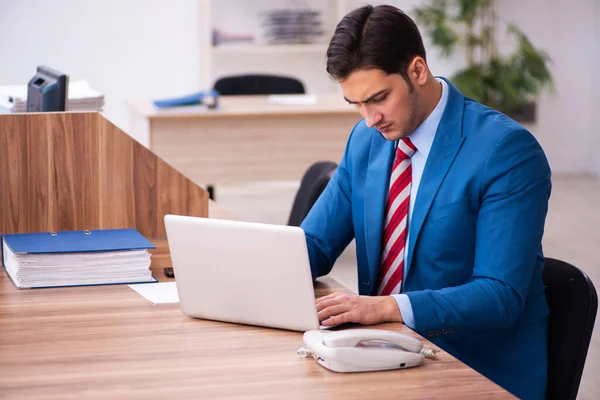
(504, 83)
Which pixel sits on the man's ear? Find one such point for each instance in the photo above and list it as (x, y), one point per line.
(418, 71)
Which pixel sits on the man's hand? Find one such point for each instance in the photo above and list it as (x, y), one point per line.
(339, 308)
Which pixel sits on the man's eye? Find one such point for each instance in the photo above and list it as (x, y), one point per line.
(379, 99)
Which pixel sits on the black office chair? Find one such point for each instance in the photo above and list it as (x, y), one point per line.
(573, 303)
(258, 84)
(313, 183)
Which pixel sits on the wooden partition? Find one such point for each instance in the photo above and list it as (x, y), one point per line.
(75, 171)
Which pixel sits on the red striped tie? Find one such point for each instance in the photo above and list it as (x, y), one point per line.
(396, 215)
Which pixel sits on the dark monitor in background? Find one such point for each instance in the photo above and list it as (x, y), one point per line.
(47, 91)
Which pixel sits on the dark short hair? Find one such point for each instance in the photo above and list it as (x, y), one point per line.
(380, 37)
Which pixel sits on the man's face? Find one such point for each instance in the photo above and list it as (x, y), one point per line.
(385, 101)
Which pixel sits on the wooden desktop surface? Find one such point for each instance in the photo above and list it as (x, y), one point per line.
(107, 342)
(248, 138)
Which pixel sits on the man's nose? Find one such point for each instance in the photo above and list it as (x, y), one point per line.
(372, 116)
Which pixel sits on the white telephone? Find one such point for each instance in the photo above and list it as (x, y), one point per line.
(358, 350)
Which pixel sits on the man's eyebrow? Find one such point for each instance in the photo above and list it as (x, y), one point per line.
(371, 97)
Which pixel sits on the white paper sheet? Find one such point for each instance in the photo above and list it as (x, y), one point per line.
(158, 293)
(289, 99)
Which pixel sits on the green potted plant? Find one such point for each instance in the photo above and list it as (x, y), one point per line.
(509, 83)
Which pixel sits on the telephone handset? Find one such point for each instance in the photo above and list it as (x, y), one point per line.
(357, 350)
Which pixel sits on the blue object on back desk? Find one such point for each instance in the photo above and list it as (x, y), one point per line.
(208, 98)
(77, 241)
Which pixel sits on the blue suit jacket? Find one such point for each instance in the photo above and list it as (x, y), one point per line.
(474, 264)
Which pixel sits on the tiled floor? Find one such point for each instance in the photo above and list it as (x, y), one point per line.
(572, 235)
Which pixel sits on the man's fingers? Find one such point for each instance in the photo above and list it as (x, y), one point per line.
(332, 310)
(328, 297)
(328, 303)
(346, 307)
(338, 319)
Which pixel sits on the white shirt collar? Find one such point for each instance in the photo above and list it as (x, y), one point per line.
(423, 136)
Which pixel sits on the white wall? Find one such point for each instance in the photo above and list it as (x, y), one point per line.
(594, 156)
(565, 29)
(124, 49)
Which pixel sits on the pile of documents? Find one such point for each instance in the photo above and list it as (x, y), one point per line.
(97, 257)
(289, 26)
(81, 97)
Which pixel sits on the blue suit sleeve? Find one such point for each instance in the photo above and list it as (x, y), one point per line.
(328, 226)
(514, 201)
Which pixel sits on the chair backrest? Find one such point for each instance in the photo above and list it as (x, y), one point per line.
(258, 85)
(313, 183)
(573, 303)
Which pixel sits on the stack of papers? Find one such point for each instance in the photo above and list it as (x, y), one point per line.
(292, 25)
(293, 99)
(13, 99)
(98, 257)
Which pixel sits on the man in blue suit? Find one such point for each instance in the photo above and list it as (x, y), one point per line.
(446, 199)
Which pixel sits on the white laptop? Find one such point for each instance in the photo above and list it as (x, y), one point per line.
(242, 272)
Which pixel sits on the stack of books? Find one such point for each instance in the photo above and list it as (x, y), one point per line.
(81, 97)
(74, 258)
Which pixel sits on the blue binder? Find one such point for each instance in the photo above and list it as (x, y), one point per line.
(209, 99)
(77, 242)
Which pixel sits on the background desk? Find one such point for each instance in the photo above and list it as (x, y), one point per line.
(248, 139)
(107, 342)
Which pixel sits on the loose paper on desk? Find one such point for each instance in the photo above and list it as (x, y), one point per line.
(293, 99)
(158, 293)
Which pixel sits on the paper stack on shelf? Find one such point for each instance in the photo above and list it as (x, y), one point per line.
(292, 26)
(97, 257)
(13, 98)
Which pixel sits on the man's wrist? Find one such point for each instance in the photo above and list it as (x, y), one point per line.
(392, 311)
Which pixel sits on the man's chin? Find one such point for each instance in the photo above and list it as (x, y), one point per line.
(392, 135)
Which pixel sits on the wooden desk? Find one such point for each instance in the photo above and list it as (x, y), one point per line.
(107, 342)
(248, 139)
